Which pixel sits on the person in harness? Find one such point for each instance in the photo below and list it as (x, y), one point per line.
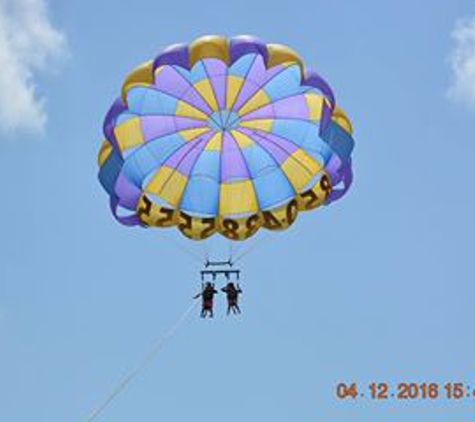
(232, 295)
(207, 296)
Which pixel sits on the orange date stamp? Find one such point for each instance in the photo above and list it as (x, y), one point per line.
(406, 391)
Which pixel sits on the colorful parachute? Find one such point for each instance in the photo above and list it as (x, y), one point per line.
(224, 136)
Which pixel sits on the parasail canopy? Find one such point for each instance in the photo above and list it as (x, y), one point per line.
(224, 136)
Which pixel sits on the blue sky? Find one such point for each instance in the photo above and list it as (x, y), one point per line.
(377, 287)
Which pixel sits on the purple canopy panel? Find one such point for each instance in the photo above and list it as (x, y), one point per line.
(292, 108)
(217, 72)
(333, 168)
(109, 122)
(246, 44)
(175, 55)
(127, 193)
(129, 220)
(346, 176)
(233, 165)
(266, 112)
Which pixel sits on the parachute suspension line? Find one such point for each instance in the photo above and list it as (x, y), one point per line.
(184, 249)
(230, 251)
(247, 251)
(154, 349)
(206, 250)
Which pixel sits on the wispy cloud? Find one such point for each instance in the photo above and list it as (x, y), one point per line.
(462, 61)
(28, 44)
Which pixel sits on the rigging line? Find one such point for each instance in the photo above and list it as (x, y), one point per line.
(154, 349)
(262, 240)
(237, 247)
(230, 250)
(206, 251)
(193, 255)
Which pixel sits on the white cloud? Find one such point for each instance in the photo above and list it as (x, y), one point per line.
(462, 61)
(28, 44)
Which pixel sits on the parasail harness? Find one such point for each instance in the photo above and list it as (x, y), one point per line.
(218, 268)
